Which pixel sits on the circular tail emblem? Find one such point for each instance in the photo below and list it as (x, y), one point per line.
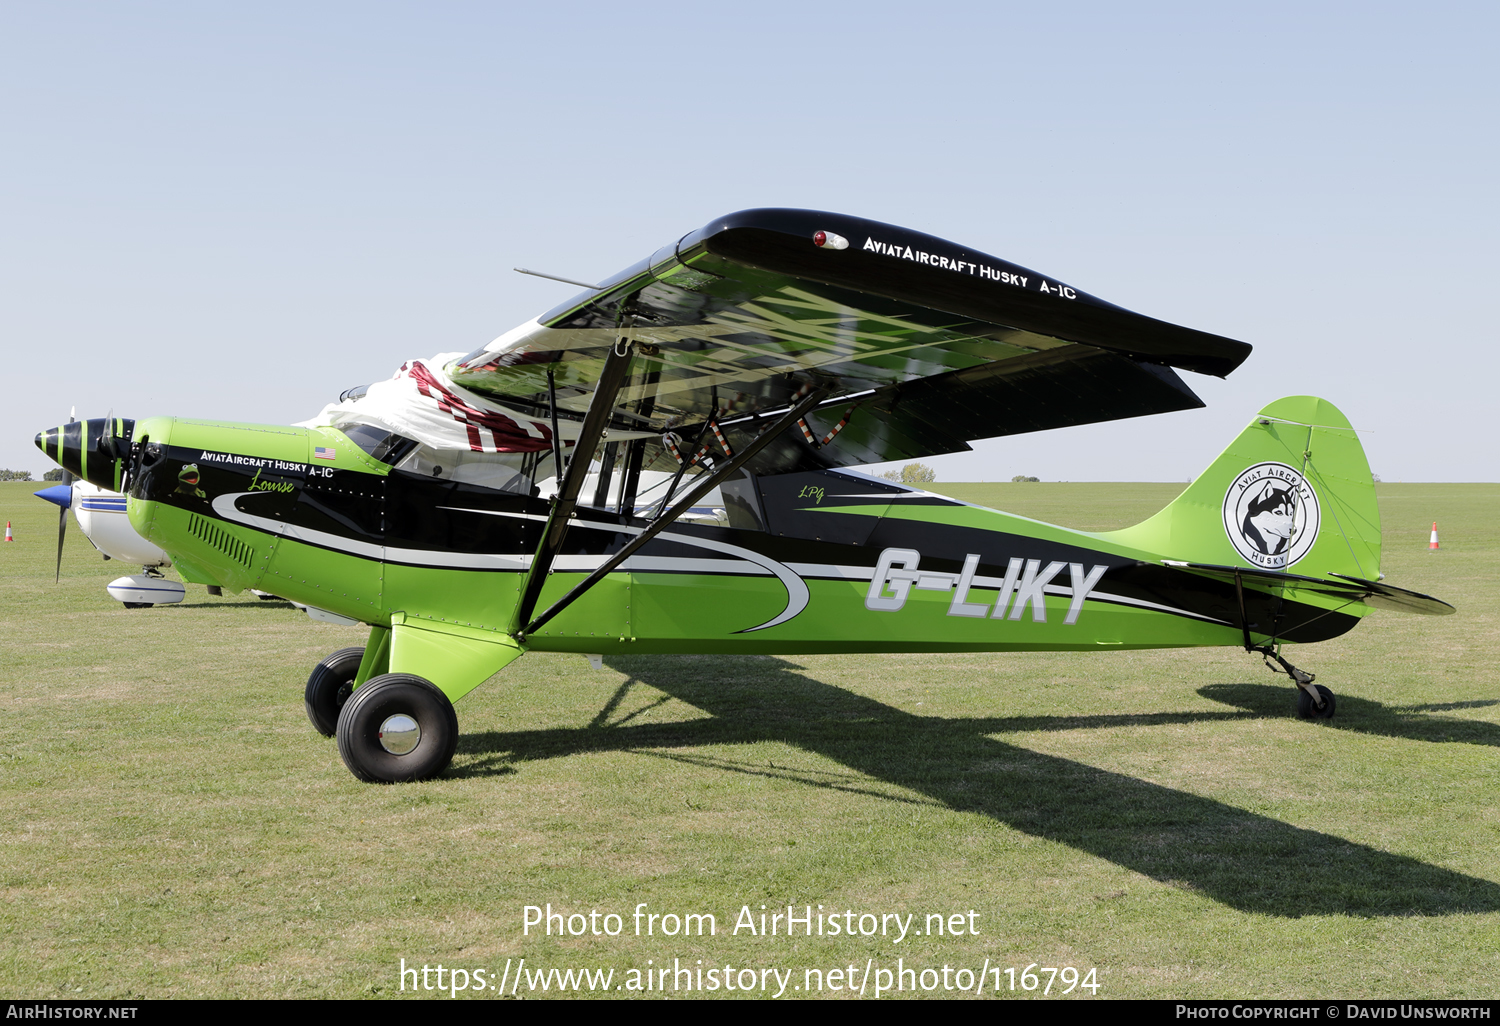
(1271, 515)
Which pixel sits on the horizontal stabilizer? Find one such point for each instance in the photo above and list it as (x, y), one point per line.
(1371, 593)
(1384, 596)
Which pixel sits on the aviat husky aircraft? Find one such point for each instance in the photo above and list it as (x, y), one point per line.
(709, 397)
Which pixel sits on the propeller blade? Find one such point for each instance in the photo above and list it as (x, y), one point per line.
(62, 530)
(62, 513)
(107, 436)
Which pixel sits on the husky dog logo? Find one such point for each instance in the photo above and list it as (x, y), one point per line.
(1271, 515)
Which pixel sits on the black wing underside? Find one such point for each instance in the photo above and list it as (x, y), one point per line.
(923, 345)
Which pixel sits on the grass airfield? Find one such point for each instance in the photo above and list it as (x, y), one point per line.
(171, 826)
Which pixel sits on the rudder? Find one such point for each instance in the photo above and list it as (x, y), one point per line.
(1292, 493)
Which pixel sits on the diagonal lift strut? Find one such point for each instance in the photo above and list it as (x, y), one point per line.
(708, 484)
(611, 378)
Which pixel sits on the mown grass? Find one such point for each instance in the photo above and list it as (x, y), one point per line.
(173, 827)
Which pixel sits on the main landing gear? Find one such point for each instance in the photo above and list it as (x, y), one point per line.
(1314, 701)
(329, 687)
(396, 727)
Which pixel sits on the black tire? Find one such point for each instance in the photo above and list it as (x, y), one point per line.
(373, 705)
(137, 605)
(329, 687)
(1307, 711)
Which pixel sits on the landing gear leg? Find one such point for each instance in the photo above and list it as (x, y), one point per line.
(1314, 701)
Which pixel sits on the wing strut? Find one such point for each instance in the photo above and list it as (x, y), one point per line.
(557, 460)
(684, 463)
(708, 484)
(616, 367)
(1239, 593)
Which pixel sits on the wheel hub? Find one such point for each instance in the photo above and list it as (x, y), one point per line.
(399, 734)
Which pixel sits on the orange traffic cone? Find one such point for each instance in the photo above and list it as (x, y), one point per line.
(1433, 544)
(7, 532)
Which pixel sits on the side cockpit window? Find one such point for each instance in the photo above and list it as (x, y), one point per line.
(733, 504)
(380, 443)
(502, 471)
(742, 504)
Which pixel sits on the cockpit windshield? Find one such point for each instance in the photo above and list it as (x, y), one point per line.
(381, 443)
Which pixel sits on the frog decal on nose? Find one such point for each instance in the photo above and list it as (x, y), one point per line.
(187, 482)
(1271, 515)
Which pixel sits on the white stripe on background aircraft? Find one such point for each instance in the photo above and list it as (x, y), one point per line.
(101, 517)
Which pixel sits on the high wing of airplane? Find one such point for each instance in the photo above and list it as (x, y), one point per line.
(659, 465)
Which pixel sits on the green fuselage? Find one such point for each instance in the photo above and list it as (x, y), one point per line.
(836, 562)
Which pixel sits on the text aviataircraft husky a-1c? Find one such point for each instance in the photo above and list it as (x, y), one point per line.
(654, 467)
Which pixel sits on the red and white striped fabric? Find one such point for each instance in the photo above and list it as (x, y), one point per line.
(422, 402)
(486, 428)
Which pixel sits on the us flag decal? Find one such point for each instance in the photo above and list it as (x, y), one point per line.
(323, 452)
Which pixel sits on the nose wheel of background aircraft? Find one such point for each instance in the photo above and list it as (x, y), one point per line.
(329, 687)
(397, 727)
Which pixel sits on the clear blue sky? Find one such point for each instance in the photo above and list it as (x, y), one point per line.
(240, 210)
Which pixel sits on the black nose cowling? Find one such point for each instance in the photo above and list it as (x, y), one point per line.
(96, 450)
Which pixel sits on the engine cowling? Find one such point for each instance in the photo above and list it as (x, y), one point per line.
(96, 450)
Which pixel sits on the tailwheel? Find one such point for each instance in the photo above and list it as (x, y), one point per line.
(397, 727)
(329, 687)
(1307, 709)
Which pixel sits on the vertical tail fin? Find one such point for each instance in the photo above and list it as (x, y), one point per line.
(1293, 492)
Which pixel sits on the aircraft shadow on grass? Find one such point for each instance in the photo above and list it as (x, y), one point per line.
(1409, 722)
(1246, 861)
(255, 604)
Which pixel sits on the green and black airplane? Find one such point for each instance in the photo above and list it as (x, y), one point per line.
(658, 466)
